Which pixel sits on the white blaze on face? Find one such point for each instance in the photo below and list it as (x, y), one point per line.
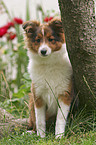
(43, 31)
(44, 49)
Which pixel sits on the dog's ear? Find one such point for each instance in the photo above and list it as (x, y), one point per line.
(56, 25)
(30, 26)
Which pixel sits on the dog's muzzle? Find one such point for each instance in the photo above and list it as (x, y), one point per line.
(44, 50)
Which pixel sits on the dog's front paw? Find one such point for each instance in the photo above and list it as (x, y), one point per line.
(59, 135)
(28, 132)
(41, 133)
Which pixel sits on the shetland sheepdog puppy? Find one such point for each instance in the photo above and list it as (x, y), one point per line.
(51, 73)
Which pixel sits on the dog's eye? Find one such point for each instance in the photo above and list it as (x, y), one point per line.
(37, 40)
(51, 40)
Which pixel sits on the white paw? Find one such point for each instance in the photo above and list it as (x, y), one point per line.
(28, 131)
(41, 134)
(59, 135)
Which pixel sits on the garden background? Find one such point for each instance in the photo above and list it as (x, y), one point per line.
(14, 79)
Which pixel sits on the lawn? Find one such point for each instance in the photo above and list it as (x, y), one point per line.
(88, 138)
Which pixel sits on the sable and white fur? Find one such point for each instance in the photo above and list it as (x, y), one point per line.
(51, 74)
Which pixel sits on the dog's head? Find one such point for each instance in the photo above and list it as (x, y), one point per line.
(44, 39)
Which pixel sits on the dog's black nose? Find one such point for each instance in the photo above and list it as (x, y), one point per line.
(43, 52)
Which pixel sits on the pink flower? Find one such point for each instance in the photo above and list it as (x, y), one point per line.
(18, 20)
(3, 31)
(46, 19)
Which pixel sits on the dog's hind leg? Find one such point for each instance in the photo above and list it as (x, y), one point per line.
(32, 124)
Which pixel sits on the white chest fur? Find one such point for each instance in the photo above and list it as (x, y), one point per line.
(54, 70)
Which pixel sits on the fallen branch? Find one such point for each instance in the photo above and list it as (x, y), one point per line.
(9, 123)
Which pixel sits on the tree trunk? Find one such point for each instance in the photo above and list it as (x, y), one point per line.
(8, 123)
(78, 18)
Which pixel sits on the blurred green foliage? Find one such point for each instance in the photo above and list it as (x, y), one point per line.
(14, 80)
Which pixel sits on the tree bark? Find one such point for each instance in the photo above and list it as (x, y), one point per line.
(8, 123)
(78, 18)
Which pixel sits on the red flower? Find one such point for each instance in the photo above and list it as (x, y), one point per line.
(18, 20)
(10, 24)
(46, 19)
(6, 27)
(10, 35)
(3, 31)
(50, 18)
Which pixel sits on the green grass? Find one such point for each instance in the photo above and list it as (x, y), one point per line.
(78, 139)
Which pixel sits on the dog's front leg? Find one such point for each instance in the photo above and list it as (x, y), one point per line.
(40, 117)
(63, 110)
